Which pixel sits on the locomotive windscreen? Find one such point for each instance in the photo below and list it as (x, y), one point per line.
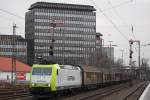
(42, 71)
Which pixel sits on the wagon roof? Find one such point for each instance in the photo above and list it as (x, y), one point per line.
(94, 69)
(97, 69)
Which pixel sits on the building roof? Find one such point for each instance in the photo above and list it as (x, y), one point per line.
(6, 65)
(62, 6)
(10, 37)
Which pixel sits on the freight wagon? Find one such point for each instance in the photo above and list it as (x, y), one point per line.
(53, 78)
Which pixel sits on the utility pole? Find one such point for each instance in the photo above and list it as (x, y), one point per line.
(139, 54)
(122, 55)
(110, 48)
(13, 74)
(110, 56)
(140, 60)
(102, 51)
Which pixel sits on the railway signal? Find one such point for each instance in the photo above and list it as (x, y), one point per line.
(51, 51)
(131, 52)
(53, 24)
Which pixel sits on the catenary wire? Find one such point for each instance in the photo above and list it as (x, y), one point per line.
(116, 6)
(115, 11)
(114, 25)
(22, 18)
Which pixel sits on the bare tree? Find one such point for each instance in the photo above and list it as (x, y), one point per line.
(103, 61)
(145, 62)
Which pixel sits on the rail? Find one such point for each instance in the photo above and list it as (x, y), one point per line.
(135, 94)
(125, 91)
(12, 92)
(98, 94)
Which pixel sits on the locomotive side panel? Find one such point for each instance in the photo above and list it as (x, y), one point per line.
(68, 79)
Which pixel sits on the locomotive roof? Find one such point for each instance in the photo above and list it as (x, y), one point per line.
(105, 70)
(71, 67)
(91, 69)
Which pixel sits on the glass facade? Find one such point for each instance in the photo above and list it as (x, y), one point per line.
(74, 32)
(20, 47)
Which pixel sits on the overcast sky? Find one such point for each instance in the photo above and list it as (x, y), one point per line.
(123, 14)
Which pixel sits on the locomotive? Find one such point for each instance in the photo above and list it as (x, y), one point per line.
(52, 78)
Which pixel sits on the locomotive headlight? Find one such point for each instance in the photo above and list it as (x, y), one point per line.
(48, 84)
(33, 84)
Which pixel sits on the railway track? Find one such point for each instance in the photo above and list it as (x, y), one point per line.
(119, 92)
(135, 94)
(15, 96)
(98, 94)
(104, 93)
(13, 93)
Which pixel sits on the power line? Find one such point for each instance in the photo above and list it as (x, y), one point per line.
(114, 25)
(116, 6)
(28, 1)
(12, 14)
(109, 2)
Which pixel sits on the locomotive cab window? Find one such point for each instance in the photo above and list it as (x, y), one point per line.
(47, 71)
(42, 71)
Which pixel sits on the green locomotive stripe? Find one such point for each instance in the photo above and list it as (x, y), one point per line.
(30, 78)
(53, 79)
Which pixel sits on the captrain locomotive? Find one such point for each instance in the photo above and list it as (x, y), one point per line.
(52, 78)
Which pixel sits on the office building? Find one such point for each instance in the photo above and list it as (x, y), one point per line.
(17, 48)
(71, 27)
